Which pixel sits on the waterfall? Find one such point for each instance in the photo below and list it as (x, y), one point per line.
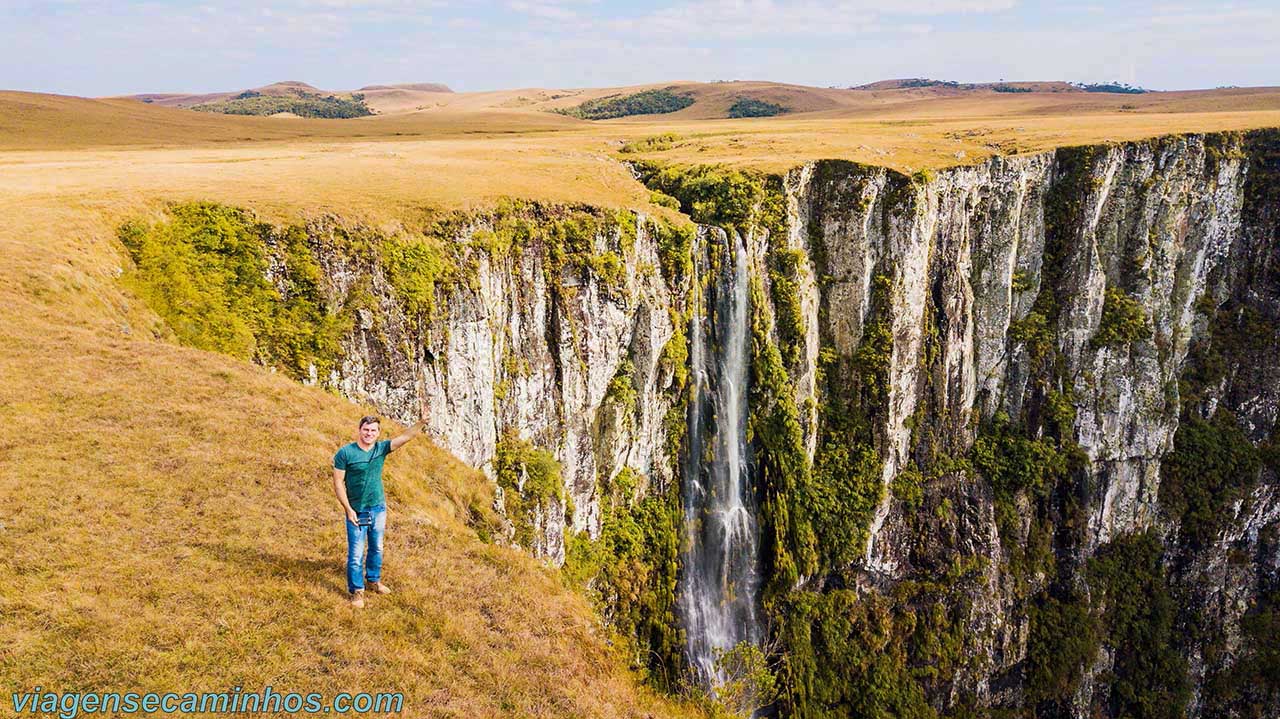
(720, 577)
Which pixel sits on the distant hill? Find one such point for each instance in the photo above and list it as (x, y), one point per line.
(419, 86)
(377, 99)
(296, 99)
(914, 83)
(176, 99)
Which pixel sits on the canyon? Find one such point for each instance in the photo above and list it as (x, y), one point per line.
(984, 439)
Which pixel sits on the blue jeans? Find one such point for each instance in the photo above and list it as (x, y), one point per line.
(364, 547)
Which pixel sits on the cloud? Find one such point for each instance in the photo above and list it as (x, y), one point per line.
(98, 47)
(782, 18)
(543, 10)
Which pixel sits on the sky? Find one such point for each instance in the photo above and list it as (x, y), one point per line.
(105, 47)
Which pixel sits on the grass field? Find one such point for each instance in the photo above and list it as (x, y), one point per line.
(468, 148)
(167, 521)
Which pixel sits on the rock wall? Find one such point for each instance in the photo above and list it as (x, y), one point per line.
(521, 348)
(1088, 274)
(1167, 223)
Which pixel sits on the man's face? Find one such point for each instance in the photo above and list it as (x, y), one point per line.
(369, 433)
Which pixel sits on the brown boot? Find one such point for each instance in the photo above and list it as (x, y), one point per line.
(379, 587)
(357, 599)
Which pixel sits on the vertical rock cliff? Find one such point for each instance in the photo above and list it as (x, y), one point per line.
(1053, 323)
(1009, 436)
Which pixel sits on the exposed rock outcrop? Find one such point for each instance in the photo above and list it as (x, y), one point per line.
(1064, 294)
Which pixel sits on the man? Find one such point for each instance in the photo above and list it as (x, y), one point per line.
(357, 480)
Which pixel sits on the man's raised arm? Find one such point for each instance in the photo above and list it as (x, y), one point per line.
(399, 440)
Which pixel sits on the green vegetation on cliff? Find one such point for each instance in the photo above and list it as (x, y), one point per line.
(847, 483)
(1212, 464)
(789, 543)
(567, 234)
(224, 281)
(1127, 608)
(532, 487)
(847, 656)
(1148, 676)
(1250, 686)
(631, 572)
(737, 200)
(204, 271)
(1123, 321)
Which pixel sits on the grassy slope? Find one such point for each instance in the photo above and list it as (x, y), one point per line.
(168, 522)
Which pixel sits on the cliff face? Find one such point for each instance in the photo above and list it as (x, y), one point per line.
(529, 348)
(1061, 372)
(1170, 238)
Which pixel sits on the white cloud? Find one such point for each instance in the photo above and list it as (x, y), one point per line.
(543, 10)
(779, 18)
(99, 47)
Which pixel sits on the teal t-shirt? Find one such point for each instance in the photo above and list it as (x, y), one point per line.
(364, 473)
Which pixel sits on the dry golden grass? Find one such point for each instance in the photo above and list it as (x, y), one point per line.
(168, 523)
(31, 121)
(469, 148)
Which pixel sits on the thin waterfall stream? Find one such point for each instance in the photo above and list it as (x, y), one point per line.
(721, 575)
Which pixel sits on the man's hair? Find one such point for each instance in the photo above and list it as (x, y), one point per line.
(368, 419)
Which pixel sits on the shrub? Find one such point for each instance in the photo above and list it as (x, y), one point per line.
(1149, 676)
(1123, 321)
(416, 266)
(847, 656)
(653, 143)
(1063, 640)
(662, 199)
(1012, 462)
(748, 107)
(1116, 87)
(749, 685)
(1251, 686)
(1129, 609)
(631, 570)
(733, 199)
(925, 82)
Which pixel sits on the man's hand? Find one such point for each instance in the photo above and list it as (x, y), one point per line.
(413, 431)
(353, 517)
